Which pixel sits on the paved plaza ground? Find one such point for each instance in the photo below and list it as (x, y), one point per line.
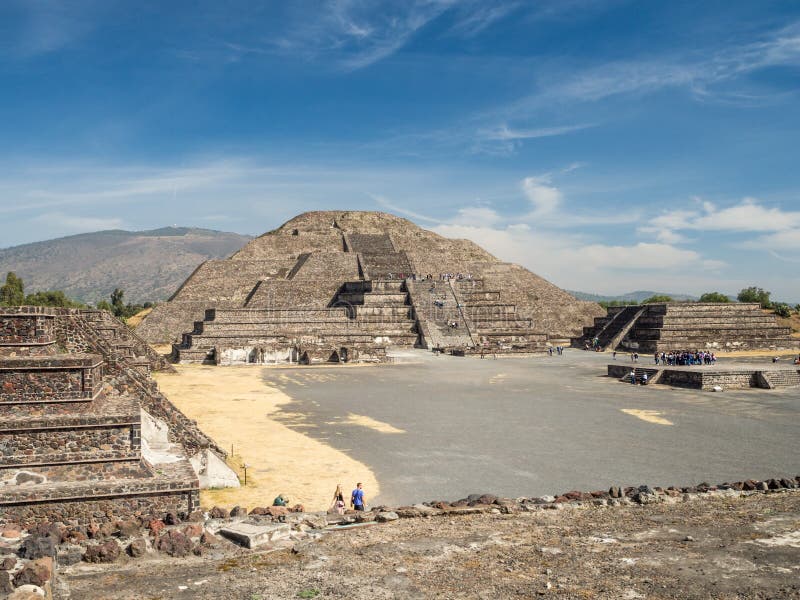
(443, 427)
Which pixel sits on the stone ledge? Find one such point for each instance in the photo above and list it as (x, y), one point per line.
(53, 361)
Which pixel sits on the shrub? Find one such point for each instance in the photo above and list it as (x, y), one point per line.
(782, 310)
(714, 297)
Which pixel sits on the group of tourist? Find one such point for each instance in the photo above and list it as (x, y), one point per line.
(357, 499)
(558, 349)
(456, 276)
(685, 358)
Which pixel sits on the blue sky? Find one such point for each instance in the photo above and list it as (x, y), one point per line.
(608, 146)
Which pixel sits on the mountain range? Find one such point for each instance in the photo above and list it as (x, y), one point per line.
(636, 296)
(146, 265)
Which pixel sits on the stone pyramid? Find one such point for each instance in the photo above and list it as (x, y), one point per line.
(359, 282)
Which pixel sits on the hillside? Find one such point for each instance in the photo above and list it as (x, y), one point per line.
(636, 296)
(147, 265)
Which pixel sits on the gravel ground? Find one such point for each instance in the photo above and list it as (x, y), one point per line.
(707, 547)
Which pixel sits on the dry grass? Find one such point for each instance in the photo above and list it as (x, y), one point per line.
(136, 319)
(793, 321)
(235, 407)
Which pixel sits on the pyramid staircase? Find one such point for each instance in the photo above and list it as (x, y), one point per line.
(495, 324)
(362, 319)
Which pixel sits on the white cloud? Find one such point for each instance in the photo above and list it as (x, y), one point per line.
(568, 261)
(471, 215)
(78, 224)
(782, 240)
(544, 197)
(748, 216)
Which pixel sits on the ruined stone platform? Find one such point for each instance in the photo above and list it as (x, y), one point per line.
(707, 377)
(74, 387)
(681, 326)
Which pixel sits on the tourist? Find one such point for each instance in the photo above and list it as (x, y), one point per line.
(281, 500)
(614, 355)
(338, 500)
(655, 357)
(644, 378)
(633, 377)
(357, 498)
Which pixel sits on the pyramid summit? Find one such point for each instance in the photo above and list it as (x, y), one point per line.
(355, 282)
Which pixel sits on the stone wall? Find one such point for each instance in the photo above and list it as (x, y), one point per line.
(99, 511)
(50, 378)
(73, 444)
(698, 378)
(25, 328)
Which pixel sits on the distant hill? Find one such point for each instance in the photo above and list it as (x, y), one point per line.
(147, 265)
(637, 296)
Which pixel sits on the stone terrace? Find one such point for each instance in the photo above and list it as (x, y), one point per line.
(668, 327)
(71, 421)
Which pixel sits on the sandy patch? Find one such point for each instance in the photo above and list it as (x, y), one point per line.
(369, 422)
(235, 407)
(651, 416)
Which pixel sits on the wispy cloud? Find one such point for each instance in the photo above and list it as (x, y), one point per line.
(384, 202)
(503, 132)
(473, 19)
(356, 33)
(699, 72)
(78, 224)
(49, 25)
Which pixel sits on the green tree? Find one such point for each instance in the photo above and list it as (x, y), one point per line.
(657, 299)
(13, 292)
(118, 307)
(714, 297)
(51, 298)
(116, 302)
(755, 294)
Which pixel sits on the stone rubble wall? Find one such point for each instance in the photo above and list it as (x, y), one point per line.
(49, 379)
(707, 378)
(91, 512)
(30, 327)
(70, 445)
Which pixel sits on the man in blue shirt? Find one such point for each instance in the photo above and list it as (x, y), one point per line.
(357, 498)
